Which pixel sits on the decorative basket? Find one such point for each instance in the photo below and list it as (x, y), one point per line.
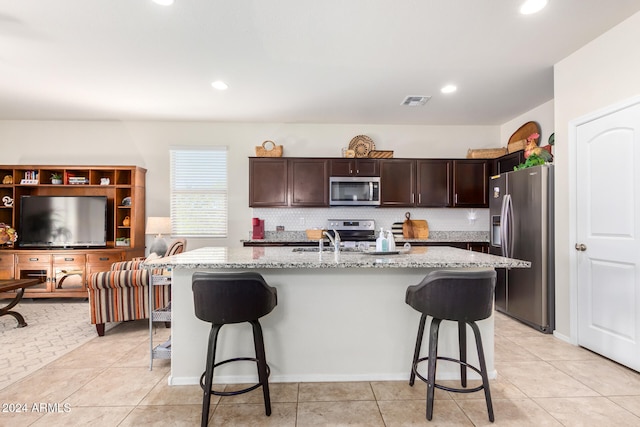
(381, 154)
(314, 234)
(273, 151)
(485, 153)
(514, 146)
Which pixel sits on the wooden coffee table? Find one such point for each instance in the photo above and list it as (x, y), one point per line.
(11, 285)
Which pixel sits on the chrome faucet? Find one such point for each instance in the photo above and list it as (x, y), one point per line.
(335, 240)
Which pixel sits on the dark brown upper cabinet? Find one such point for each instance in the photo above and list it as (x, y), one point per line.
(507, 162)
(308, 182)
(434, 183)
(282, 182)
(354, 167)
(397, 182)
(268, 182)
(470, 183)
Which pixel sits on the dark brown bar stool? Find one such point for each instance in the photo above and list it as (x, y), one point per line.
(462, 296)
(224, 298)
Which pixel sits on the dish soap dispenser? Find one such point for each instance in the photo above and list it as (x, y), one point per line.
(381, 242)
(391, 240)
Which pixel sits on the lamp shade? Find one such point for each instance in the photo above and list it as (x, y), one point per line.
(158, 225)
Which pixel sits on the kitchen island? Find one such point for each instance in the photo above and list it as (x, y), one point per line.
(339, 317)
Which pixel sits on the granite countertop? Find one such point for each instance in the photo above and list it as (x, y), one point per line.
(286, 257)
(434, 236)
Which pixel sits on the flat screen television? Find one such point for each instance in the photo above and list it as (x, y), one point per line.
(62, 222)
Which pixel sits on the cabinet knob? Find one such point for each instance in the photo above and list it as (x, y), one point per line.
(33, 259)
(69, 259)
(104, 258)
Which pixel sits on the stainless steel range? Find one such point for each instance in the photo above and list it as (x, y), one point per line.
(353, 230)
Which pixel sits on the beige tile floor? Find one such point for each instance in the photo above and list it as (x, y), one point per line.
(541, 382)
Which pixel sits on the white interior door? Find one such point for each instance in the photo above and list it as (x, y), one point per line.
(608, 245)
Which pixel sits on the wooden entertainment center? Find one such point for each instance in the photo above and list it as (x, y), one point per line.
(64, 272)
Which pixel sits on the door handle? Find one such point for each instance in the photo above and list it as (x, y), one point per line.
(581, 247)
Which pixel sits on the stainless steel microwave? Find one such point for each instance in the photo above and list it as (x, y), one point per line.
(354, 191)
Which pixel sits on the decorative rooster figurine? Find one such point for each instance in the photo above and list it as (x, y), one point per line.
(532, 148)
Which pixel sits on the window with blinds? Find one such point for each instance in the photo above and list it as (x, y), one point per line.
(199, 198)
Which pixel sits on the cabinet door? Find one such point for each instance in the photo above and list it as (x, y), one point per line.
(308, 182)
(354, 167)
(367, 167)
(7, 266)
(434, 183)
(397, 182)
(267, 182)
(470, 182)
(101, 261)
(341, 167)
(478, 247)
(508, 162)
(35, 266)
(69, 272)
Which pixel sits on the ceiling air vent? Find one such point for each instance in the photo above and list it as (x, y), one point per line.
(415, 101)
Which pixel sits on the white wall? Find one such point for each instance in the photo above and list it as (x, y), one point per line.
(604, 72)
(147, 144)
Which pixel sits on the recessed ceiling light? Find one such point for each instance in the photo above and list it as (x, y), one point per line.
(220, 85)
(449, 89)
(163, 2)
(532, 6)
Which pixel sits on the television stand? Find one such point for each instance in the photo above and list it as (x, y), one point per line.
(63, 272)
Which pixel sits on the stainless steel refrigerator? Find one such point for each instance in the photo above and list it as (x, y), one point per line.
(521, 215)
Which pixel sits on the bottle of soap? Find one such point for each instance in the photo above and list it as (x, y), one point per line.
(380, 241)
(385, 242)
(391, 240)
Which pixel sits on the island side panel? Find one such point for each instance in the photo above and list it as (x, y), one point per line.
(348, 324)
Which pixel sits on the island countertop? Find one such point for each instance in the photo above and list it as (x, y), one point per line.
(324, 304)
(286, 257)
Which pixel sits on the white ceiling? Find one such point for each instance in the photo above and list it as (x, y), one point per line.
(292, 61)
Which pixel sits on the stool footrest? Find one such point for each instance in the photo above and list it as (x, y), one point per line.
(441, 387)
(235, 392)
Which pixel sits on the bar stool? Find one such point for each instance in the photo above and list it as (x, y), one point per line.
(225, 298)
(462, 296)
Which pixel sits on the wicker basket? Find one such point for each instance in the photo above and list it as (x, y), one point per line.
(512, 147)
(485, 153)
(381, 154)
(314, 234)
(273, 151)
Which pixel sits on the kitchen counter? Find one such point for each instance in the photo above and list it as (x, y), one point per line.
(341, 319)
(286, 257)
(300, 237)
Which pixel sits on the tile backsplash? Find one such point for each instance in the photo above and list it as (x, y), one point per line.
(443, 219)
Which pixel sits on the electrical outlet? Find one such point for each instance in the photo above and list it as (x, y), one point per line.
(301, 220)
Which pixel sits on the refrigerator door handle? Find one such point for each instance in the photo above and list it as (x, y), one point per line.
(503, 226)
(509, 230)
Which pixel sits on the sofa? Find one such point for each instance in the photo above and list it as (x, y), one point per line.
(121, 294)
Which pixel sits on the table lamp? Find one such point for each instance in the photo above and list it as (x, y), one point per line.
(158, 225)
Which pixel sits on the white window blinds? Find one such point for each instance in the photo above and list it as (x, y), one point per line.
(199, 192)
